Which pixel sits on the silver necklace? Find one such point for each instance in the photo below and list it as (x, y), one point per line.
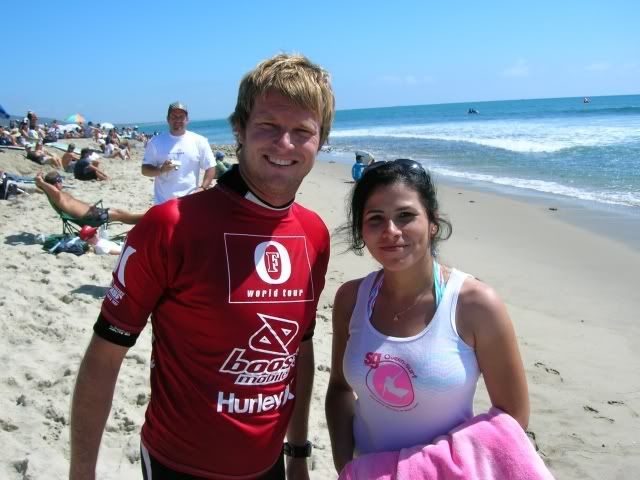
(397, 315)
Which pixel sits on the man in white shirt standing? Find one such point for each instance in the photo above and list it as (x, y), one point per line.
(175, 158)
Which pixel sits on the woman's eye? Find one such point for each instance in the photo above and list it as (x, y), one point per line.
(405, 217)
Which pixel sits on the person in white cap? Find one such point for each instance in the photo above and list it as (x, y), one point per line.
(175, 158)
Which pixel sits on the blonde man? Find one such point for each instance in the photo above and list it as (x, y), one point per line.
(231, 278)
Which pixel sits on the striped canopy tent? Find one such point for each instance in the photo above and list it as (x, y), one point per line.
(75, 118)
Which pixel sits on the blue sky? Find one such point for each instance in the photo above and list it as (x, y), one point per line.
(126, 61)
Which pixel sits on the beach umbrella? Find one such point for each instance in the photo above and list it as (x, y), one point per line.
(3, 113)
(106, 125)
(75, 118)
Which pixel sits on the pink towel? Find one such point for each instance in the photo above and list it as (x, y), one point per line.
(489, 446)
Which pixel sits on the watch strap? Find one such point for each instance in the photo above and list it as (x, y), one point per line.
(298, 451)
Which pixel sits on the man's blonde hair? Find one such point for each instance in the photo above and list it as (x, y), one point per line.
(294, 76)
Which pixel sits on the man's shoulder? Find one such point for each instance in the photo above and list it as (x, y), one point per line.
(161, 137)
(310, 219)
(188, 212)
(159, 143)
(202, 202)
(195, 137)
(304, 212)
(163, 215)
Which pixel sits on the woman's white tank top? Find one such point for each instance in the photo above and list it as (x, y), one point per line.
(413, 389)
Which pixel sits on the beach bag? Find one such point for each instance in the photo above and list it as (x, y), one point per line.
(65, 244)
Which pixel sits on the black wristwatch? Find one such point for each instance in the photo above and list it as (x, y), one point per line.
(298, 451)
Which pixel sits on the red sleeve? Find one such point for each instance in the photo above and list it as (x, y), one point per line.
(140, 276)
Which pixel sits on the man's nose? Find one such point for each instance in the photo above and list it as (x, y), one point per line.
(285, 141)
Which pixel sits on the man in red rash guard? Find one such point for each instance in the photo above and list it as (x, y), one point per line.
(231, 278)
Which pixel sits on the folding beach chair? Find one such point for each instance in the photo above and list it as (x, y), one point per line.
(71, 225)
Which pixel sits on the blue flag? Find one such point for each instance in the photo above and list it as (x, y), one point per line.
(3, 113)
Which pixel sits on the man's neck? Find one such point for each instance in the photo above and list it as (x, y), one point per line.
(232, 179)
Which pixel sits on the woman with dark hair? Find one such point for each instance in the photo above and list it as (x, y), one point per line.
(411, 340)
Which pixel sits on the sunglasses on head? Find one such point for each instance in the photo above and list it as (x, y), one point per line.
(405, 163)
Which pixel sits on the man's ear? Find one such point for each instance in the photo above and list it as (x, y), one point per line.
(239, 132)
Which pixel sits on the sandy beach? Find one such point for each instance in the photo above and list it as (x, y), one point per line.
(571, 292)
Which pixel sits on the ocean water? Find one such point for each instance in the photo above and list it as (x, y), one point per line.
(561, 147)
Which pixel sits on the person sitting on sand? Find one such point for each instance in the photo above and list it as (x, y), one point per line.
(24, 129)
(51, 185)
(124, 149)
(111, 150)
(87, 168)
(6, 139)
(100, 246)
(53, 133)
(69, 158)
(32, 118)
(35, 132)
(221, 165)
(42, 156)
(115, 138)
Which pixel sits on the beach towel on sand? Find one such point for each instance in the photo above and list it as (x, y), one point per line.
(489, 446)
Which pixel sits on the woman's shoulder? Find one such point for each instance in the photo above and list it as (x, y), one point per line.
(475, 293)
(345, 300)
(479, 306)
(348, 290)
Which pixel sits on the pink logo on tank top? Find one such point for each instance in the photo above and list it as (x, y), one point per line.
(390, 383)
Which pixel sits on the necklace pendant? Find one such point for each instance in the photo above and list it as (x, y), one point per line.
(396, 318)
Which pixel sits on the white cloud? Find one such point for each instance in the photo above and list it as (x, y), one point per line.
(599, 67)
(520, 69)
